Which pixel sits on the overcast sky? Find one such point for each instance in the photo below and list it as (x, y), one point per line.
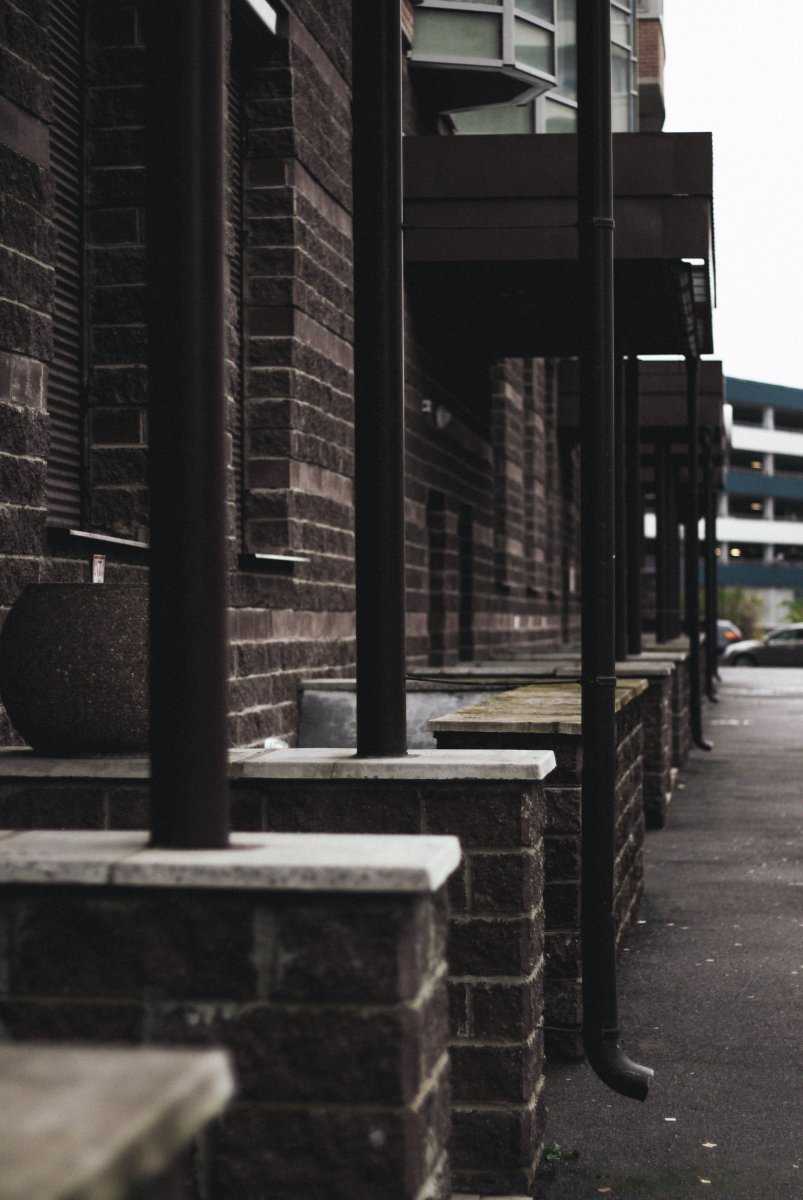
(734, 67)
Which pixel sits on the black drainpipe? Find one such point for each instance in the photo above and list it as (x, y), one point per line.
(596, 228)
(693, 553)
(662, 536)
(620, 470)
(711, 597)
(185, 204)
(635, 507)
(379, 378)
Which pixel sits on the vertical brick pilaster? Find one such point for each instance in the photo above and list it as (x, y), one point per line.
(333, 1008)
(116, 416)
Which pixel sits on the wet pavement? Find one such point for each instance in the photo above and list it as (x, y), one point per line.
(711, 980)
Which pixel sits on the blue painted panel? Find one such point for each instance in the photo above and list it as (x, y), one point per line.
(760, 575)
(753, 483)
(769, 395)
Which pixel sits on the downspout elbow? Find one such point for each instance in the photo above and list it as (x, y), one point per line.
(614, 1068)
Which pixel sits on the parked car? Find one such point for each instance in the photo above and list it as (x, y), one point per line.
(727, 632)
(781, 648)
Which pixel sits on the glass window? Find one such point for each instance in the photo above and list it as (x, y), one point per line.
(456, 34)
(567, 48)
(559, 118)
(620, 89)
(785, 635)
(620, 26)
(535, 46)
(543, 9)
(496, 118)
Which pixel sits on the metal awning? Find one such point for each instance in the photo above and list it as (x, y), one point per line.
(491, 237)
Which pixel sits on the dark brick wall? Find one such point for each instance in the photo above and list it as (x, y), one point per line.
(334, 1009)
(658, 770)
(116, 500)
(496, 930)
(495, 578)
(563, 1009)
(681, 715)
(26, 282)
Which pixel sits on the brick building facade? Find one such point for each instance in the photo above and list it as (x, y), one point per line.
(492, 491)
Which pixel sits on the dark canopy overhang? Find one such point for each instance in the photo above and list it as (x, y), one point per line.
(491, 241)
(662, 411)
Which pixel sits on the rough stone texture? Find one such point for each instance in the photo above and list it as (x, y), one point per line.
(333, 1007)
(73, 662)
(496, 927)
(562, 851)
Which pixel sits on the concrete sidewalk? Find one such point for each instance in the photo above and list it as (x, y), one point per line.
(711, 980)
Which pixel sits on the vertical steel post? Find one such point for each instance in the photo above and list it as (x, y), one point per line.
(634, 499)
(186, 203)
(675, 623)
(693, 551)
(379, 377)
(662, 534)
(711, 596)
(620, 470)
(596, 230)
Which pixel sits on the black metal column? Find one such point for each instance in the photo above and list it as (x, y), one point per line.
(634, 500)
(379, 378)
(620, 453)
(662, 534)
(711, 588)
(693, 552)
(186, 202)
(596, 228)
(675, 621)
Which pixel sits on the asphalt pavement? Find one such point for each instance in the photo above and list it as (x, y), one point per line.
(710, 981)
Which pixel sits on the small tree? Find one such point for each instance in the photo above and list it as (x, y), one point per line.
(793, 609)
(743, 606)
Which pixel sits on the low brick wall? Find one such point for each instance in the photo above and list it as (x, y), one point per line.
(495, 954)
(563, 1009)
(496, 932)
(681, 715)
(333, 1006)
(659, 735)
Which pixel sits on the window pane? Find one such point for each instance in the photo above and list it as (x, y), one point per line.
(458, 34)
(538, 8)
(567, 48)
(534, 47)
(620, 89)
(496, 118)
(559, 118)
(620, 26)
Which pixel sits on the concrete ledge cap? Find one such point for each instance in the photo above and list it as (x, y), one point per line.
(536, 670)
(671, 656)
(308, 862)
(16, 763)
(535, 708)
(90, 1121)
(424, 765)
